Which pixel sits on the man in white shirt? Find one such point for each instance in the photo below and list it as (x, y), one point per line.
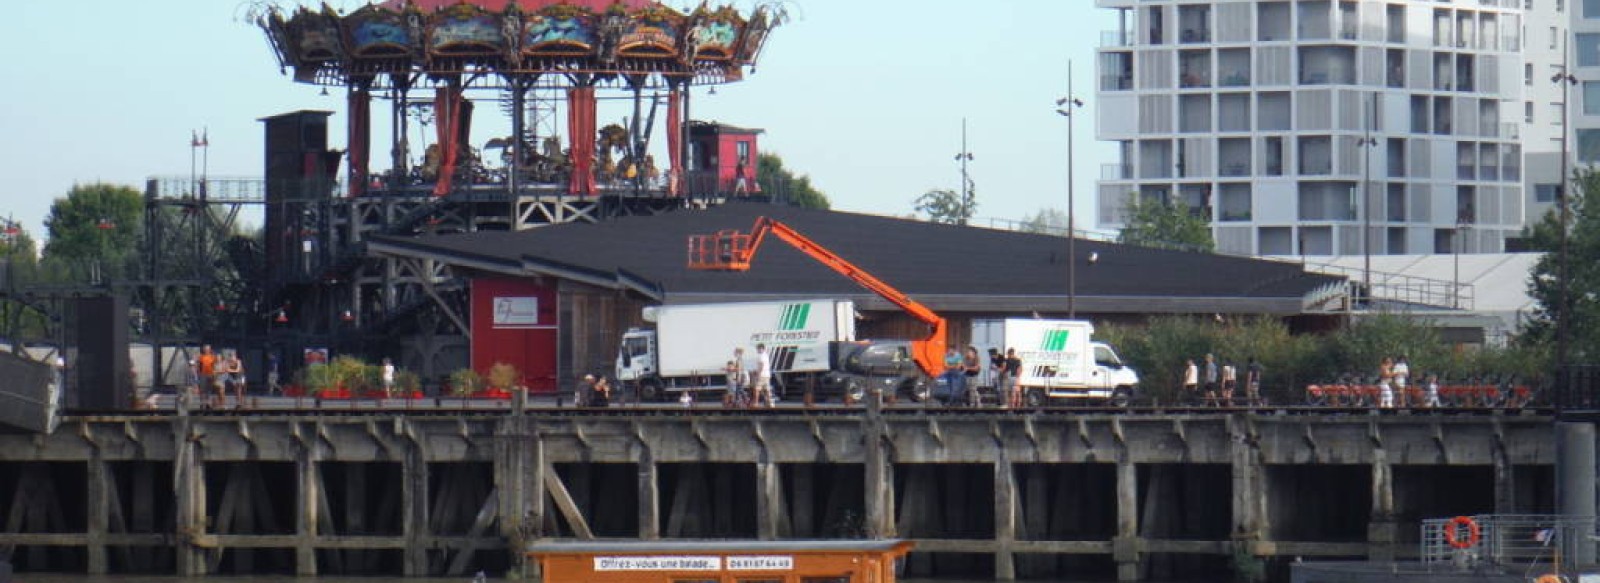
(762, 378)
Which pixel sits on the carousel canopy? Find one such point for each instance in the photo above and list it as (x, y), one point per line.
(497, 42)
(525, 5)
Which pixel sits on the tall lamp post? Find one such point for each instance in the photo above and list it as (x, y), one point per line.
(965, 156)
(1066, 106)
(1565, 80)
(1367, 143)
(1460, 241)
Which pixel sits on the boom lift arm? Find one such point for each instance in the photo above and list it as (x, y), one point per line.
(730, 250)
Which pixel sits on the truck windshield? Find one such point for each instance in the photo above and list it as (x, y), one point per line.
(635, 346)
(1103, 356)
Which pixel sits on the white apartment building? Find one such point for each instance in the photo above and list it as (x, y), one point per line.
(1291, 124)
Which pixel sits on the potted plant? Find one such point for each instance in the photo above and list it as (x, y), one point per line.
(409, 384)
(319, 380)
(349, 374)
(502, 379)
(464, 382)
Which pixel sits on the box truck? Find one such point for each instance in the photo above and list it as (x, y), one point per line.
(1060, 360)
(690, 345)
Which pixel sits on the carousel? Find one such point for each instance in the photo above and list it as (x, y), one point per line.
(433, 60)
(539, 75)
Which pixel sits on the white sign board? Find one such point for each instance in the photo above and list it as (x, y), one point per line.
(516, 312)
(658, 563)
(761, 563)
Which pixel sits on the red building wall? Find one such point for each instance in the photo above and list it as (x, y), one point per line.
(514, 321)
(728, 161)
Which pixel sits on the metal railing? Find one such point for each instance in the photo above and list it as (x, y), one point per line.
(1507, 539)
(1404, 288)
(216, 188)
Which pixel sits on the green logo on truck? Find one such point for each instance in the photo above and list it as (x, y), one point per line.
(1054, 341)
(794, 317)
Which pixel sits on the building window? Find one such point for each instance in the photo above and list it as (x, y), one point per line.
(1589, 146)
(1527, 74)
(1527, 112)
(1591, 8)
(1591, 97)
(1555, 38)
(1588, 49)
(1544, 193)
(1557, 113)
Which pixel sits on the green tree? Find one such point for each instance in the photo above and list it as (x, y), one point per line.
(95, 225)
(782, 184)
(1583, 275)
(1047, 221)
(19, 266)
(1163, 224)
(947, 206)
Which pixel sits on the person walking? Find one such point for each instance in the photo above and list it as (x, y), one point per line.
(1252, 382)
(1230, 381)
(1430, 395)
(1210, 375)
(1190, 382)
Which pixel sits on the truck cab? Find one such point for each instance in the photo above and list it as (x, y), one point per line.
(636, 363)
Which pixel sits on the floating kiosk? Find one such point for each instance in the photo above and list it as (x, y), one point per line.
(720, 561)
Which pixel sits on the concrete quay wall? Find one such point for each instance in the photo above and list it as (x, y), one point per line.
(1008, 495)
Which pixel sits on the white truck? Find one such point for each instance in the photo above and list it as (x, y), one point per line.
(691, 344)
(1060, 360)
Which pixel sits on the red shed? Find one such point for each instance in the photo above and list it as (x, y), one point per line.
(514, 321)
(723, 153)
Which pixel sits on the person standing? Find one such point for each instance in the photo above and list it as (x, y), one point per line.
(1209, 375)
(585, 392)
(954, 376)
(1402, 375)
(1191, 382)
(1252, 382)
(1011, 379)
(738, 379)
(1385, 378)
(206, 363)
(386, 376)
(763, 377)
(1430, 396)
(233, 376)
(970, 368)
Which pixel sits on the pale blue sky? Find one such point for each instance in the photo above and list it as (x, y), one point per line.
(865, 96)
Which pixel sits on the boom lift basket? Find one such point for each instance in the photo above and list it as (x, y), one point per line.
(727, 250)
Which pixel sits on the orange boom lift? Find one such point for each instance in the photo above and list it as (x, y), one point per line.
(731, 250)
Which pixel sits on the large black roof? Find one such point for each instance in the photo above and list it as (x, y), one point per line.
(947, 267)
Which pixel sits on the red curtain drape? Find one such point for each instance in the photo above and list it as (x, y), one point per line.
(360, 139)
(447, 116)
(674, 141)
(581, 126)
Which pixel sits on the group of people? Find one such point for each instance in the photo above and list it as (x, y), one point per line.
(220, 373)
(749, 385)
(1394, 374)
(962, 369)
(1215, 384)
(593, 392)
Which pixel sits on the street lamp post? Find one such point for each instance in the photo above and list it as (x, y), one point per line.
(1065, 106)
(1460, 241)
(1565, 80)
(1366, 143)
(965, 156)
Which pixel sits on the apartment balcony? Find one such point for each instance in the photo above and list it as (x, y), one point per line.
(1116, 38)
(1116, 172)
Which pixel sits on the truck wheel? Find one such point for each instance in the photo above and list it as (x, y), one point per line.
(1121, 397)
(855, 391)
(918, 390)
(649, 391)
(1035, 398)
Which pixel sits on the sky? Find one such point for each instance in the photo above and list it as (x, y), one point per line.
(867, 97)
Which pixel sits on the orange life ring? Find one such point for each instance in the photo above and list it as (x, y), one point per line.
(1550, 578)
(1452, 532)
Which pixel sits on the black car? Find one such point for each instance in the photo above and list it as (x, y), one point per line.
(883, 365)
